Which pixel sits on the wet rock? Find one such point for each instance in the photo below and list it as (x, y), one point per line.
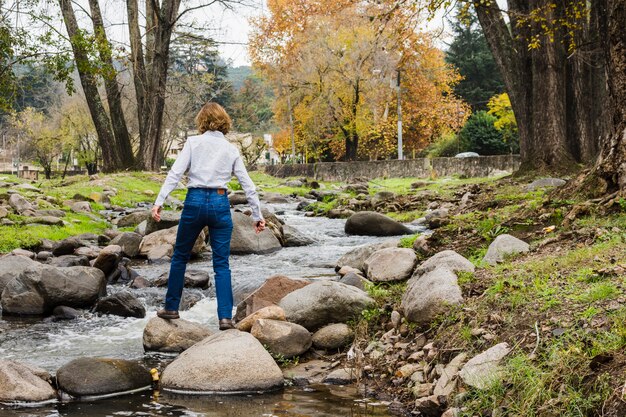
(356, 257)
(324, 302)
(129, 242)
(245, 240)
(370, 223)
(160, 244)
(342, 376)
(503, 246)
(108, 258)
(189, 299)
(484, 369)
(355, 280)
(294, 238)
(65, 313)
(66, 246)
(161, 335)
(65, 261)
(19, 203)
(448, 259)
(545, 182)
(311, 372)
(123, 304)
(430, 295)
(92, 377)
(193, 279)
(133, 218)
(140, 282)
(271, 292)
(282, 338)
(169, 219)
(390, 264)
(227, 362)
(272, 312)
(21, 382)
(340, 213)
(81, 207)
(333, 336)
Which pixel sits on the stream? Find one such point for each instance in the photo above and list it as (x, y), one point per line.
(49, 345)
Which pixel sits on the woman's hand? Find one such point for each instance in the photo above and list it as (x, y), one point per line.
(259, 226)
(156, 213)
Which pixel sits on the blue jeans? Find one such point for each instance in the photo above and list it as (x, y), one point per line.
(203, 207)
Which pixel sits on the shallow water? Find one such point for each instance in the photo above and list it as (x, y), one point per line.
(52, 344)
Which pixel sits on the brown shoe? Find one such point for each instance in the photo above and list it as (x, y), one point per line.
(226, 324)
(168, 314)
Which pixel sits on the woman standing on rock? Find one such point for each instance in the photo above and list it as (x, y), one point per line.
(211, 160)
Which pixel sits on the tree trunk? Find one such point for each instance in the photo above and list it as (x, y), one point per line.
(102, 124)
(114, 95)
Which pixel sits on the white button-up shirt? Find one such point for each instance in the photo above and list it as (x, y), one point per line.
(212, 160)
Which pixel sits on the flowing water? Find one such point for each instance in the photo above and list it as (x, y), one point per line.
(51, 344)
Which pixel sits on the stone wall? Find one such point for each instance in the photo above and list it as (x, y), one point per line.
(481, 166)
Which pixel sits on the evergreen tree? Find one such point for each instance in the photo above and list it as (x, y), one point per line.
(470, 54)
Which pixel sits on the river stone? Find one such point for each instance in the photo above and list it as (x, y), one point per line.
(237, 198)
(50, 212)
(390, 264)
(47, 220)
(87, 377)
(370, 223)
(20, 382)
(81, 207)
(38, 289)
(268, 294)
(169, 219)
(545, 182)
(437, 218)
(356, 257)
(19, 203)
(129, 242)
(23, 252)
(484, 369)
(42, 256)
(66, 246)
(141, 228)
(355, 280)
(65, 261)
(193, 279)
(333, 336)
(108, 258)
(161, 335)
(430, 294)
(447, 258)
(272, 312)
(245, 240)
(503, 246)
(294, 238)
(11, 266)
(65, 313)
(227, 362)
(274, 198)
(342, 376)
(324, 302)
(122, 304)
(160, 244)
(133, 218)
(282, 338)
(90, 252)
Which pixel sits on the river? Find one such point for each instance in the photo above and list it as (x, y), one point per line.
(52, 344)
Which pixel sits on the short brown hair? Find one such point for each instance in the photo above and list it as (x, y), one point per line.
(213, 117)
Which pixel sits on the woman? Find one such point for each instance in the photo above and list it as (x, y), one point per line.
(211, 160)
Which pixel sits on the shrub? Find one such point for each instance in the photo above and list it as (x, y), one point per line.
(480, 135)
(447, 145)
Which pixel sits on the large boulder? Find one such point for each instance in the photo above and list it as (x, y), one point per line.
(356, 257)
(245, 240)
(12, 266)
(160, 244)
(282, 338)
(324, 302)
(169, 219)
(133, 218)
(129, 242)
(448, 259)
(545, 182)
(272, 312)
(19, 203)
(40, 288)
(431, 294)
(20, 382)
(370, 223)
(390, 264)
(484, 369)
(123, 304)
(194, 278)
(503, 246)
(294, 237)
(161, 335)
(93, 377)
(227, 362)
(332, 337)
(268, 294)
(108, 258)
(65, 261)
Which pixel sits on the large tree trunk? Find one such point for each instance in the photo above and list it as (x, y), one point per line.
(114, 95)
(110, 156)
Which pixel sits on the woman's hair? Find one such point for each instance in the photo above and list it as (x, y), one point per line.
(212, 117)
